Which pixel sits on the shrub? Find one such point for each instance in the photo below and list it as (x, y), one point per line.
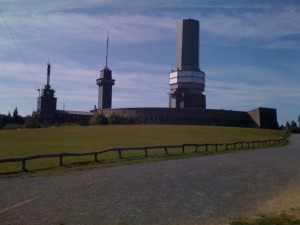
(116, 119)
(98, 119)
(32, 121)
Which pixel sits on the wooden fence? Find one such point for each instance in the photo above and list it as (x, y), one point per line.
(146, 149)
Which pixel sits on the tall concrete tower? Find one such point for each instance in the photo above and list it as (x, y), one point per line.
(46, 105)
(105, 83)
(187, 82)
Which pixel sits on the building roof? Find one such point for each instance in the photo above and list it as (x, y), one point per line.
(79, 113)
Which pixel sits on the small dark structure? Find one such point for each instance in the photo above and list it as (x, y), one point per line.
(105, 83)
(46, 104)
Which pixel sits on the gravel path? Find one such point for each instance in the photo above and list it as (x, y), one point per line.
(185, 191)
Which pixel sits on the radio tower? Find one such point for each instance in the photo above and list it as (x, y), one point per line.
(107, 43)
(105, 83)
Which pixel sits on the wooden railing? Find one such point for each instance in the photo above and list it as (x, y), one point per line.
(146, 149)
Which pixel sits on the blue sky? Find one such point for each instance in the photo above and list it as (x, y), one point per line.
(249, 50)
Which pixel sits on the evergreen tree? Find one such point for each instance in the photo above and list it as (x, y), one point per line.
(15, 113)
(9, 118)
(15, 117)
(293, 124)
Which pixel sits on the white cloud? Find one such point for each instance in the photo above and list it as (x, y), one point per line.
(265, 25)
(231, 88)
(61, 27)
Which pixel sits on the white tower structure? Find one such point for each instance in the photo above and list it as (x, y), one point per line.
(187, 82)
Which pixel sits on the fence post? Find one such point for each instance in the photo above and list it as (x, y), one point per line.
(24, 166)
(96, 157)
(120, 153)
(196, 148)
(216, 147)
(61, 160)
(166, 150)
(146, 152)
(182, 149)
(206, 147)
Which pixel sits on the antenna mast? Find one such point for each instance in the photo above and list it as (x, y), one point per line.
(48, 74)
(107, 43)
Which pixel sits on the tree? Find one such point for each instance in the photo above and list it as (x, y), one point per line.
(3, 120)
(293, 127)
(9, 118)
(15, 113)
(98, 119)
(115, 119)
(33, 121)
(293, 124)
(287, 125)
(16, 118)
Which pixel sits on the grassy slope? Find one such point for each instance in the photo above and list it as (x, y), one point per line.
(25, 142)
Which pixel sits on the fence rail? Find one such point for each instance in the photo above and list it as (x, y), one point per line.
(166, 148)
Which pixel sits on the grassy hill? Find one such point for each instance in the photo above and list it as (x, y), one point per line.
(78, 139)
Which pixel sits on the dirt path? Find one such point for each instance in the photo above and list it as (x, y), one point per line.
(186, 191)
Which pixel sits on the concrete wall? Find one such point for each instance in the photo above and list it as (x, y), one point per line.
(181, 116)
(260, 117)
(263, 118)
(64, 116)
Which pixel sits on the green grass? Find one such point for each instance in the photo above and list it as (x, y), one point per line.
(78, 139)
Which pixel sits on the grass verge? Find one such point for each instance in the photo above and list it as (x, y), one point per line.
(78, 139)
(269, 220)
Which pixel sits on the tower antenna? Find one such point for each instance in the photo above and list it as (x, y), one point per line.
(48, 74)
(107, 43)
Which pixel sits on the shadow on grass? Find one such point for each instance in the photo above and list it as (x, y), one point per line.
(268, 220)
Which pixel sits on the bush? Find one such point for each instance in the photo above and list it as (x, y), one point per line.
(98, 119)
(32, 121)
(116, 119)
(295, 130)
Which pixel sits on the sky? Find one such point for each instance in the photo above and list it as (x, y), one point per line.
(249, 51)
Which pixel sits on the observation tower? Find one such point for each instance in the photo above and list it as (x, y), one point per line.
(187, 82)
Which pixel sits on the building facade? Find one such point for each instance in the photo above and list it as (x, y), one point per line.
(257, 118)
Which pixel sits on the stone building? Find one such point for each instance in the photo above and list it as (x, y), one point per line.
(187, 104)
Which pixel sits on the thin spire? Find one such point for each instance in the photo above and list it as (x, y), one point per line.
(48, 74)
(107, 43)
